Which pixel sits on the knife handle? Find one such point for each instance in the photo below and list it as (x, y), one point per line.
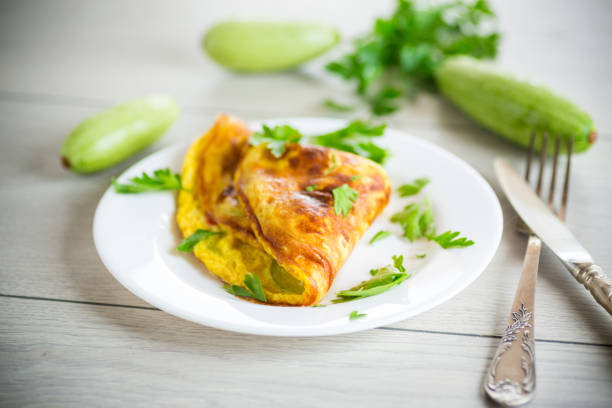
(595, 281)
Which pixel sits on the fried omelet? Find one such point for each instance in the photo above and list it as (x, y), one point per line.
(291, 238)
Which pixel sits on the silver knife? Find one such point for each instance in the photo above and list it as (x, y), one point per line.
(555, 234)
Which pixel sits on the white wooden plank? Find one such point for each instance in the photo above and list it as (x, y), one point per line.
(46, 212)
(57, 354)
(116, 50)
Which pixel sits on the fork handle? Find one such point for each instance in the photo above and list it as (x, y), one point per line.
(595, 281)
(511, 377)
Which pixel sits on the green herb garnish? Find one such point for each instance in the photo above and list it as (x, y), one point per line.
(356, 315)
(355, 177)
(410, 45)
(191, 241)
(162, 180)
(385, 101)
(421, 256)
(344, 197)
(398, 262)
(338, 107)
(253, 288)
(318, 305)
(449, 240)
(356, 138)
(382, 280)
(380, 235)
(413, 188)
(310, 188)
(417, 220)
(276, 138)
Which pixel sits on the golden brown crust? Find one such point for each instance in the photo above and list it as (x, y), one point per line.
(300, 229)
(224, 145)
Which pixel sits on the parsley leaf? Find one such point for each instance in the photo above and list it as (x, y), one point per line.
(237, 291)
(382, 280)
(191, 241)
(338, 107)
(276, 138)
(449, 240)
(344, 197)
(426, 221)
(398, 263)
(311, 187)
(253, 288)
(380, 235)
(162, 180)
(253, 283)
(421, 256)
(413, 188)
(410, 45)
(356, 138)
(355, 177)
(383, 103)
(417, 220)
(356, 315)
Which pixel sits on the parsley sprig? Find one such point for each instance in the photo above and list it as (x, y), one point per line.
(253, 288)
(338, 107)
(356, 138)
(379, 236)
(356, 315)
(410, 45)
(449, 239)
(344, 197)
(413, 188)
(161, 180)
(191, 241)
(382, 280)
(276, 138)
(417, 221)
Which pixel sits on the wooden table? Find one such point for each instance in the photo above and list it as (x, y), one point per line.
(70, 335)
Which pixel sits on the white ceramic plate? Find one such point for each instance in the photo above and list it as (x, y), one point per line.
(136, 237)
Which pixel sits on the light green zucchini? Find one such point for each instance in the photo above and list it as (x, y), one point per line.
(511, 107)
(117, 133)
(258, 46)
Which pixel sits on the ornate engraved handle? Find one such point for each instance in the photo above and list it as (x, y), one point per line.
(596, 281)
(511, 377)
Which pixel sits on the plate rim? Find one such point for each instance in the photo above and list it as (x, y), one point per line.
(355, 326)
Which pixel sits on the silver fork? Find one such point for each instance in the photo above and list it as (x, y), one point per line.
(510, 380)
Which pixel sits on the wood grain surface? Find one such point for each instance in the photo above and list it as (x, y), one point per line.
(70, 335)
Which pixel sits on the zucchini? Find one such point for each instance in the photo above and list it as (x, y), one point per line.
(511, 107)
(117, 133)
(260, 46)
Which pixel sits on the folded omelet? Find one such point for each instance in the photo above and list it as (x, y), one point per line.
(275, 227)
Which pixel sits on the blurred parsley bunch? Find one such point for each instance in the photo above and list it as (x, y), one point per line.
(402, 53)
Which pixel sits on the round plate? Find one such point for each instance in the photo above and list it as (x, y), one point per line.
(136, 237)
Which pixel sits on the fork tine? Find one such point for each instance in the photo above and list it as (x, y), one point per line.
(553, 179)
(544, 148)
(563, 208)
(530, 156)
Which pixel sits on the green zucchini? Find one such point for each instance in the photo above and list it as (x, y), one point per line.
(117, 133)
(260, 46)
(511, 107)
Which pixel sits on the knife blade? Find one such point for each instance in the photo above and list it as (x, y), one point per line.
(538, 217)
(553, 232)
